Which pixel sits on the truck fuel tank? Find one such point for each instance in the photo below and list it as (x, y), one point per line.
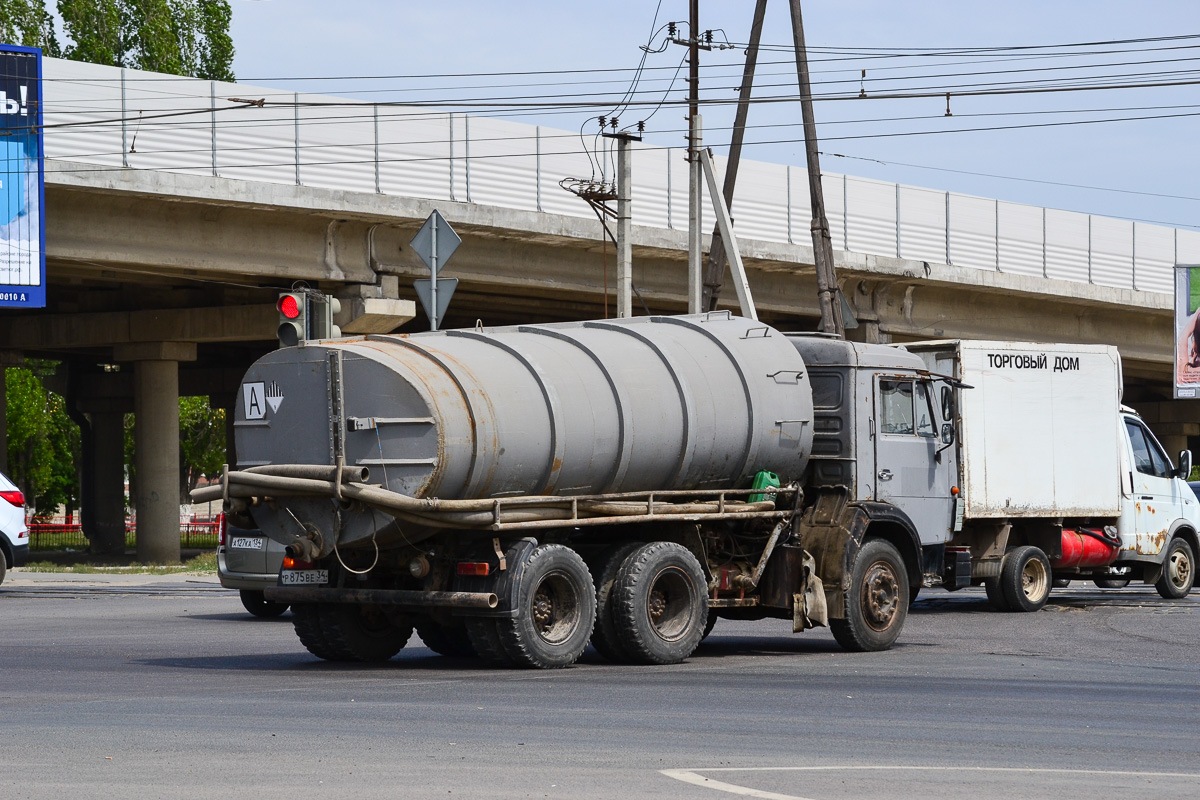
(638, 404)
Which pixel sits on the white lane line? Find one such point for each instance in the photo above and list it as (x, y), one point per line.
(694, 777)
(699, 780)
(945, 769)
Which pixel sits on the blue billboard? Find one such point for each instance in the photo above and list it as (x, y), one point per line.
(22, 179)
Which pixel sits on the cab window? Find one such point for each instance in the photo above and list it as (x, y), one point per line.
(896, 407)
(1148, 459)
(905, 408)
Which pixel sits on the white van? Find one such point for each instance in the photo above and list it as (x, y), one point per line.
(14, 534)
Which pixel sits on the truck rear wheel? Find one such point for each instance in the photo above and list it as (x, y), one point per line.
(485, 641)
(347, 632)
(605, 637)
(995, 594)
(877, 601)
(1025, 578)
(1179, 571)
(445, 640)
(556, 610)
(660, 603)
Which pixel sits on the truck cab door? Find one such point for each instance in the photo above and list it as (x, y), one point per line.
(908, 473)
(1152, 500)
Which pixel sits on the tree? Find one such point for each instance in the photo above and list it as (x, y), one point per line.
(28, 23)
(180, 37)
(43, 442)
(201, 443)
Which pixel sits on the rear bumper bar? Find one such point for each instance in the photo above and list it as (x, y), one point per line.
(385, 597)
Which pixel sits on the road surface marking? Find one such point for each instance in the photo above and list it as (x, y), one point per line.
(694, 777)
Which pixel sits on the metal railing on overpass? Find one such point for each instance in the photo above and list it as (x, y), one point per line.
(119, 119)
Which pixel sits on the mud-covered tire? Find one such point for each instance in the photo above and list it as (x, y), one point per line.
(258, 605)
(1025, 578)
(485, 641)
(660, 603)
(877, 602)
(1111, 583)
(346, 632)
(710, 624)
(446, 640)
(306, 619)
(1179, 571)
(556, 610)
(605, 637)
(995, 594)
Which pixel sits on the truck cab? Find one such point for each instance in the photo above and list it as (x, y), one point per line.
(882, 456)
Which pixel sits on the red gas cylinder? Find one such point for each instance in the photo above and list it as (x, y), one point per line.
(1086, 547)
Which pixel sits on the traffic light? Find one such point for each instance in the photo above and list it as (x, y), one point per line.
(321, 310)
(306, 314)
(293, 318)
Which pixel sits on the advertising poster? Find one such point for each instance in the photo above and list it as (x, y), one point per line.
(22, 179)
(1187, 330)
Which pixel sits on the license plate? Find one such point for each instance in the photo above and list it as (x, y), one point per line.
(301, 577)
(246, 543)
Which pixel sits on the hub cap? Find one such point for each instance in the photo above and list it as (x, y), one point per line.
(881, 600)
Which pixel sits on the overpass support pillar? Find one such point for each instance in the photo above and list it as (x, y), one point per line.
(107, 467)
(156, 444)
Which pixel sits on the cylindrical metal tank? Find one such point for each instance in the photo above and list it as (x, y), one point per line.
(648, 403)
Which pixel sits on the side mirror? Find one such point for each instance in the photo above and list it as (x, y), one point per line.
(948, 434)
(1185, 464)
(947, 403)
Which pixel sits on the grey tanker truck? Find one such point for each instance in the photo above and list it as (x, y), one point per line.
(514, 493)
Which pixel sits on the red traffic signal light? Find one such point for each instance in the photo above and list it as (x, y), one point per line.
(289, 306)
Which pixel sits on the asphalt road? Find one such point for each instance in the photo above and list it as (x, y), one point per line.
(168, 689)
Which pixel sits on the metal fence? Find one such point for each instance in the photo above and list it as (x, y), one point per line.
(60, 536)
(115, 119)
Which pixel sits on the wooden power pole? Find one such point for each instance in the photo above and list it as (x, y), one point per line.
(828, 293)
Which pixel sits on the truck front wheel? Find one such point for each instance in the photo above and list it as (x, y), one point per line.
(877, 601)
(1179, 571)
(660, 603)
(1025, 578)
(556, 610)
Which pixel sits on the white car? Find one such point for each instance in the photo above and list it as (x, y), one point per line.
(14, 535)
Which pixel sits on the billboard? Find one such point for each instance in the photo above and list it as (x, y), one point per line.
(22, 179)
(1187, 330)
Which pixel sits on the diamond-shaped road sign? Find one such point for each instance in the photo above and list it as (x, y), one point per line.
(445, 289)
(435, 242)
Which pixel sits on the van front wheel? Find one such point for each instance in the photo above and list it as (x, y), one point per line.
(1179, 571)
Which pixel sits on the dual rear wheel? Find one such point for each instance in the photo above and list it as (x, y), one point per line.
(651, 603)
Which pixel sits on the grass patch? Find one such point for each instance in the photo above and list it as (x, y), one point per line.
(202, 564)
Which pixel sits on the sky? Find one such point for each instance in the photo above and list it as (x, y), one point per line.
(1144, 169)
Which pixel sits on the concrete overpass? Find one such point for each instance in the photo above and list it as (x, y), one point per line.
(162, 280)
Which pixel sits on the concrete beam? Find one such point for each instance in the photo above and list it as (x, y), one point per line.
(155, 351)
(66, 331)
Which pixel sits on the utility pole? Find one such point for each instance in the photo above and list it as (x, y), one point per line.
(695, 179)
(714, 274)
(828, 293)
(624, 220)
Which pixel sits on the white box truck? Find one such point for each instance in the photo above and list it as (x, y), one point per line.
(1056, 480)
